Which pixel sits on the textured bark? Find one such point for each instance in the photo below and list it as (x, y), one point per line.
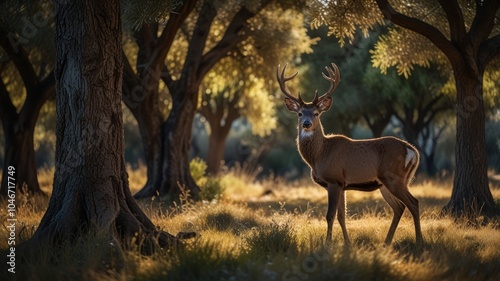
(471, 195)
(91, 193)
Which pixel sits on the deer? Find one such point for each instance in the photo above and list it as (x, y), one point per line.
(339, 163)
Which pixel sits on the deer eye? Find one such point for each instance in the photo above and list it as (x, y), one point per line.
(316, 114)
(300, 114)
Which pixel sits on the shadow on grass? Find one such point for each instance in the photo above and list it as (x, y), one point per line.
(224, 220)
(358, 208)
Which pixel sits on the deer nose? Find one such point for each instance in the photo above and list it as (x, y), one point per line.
(306, 124)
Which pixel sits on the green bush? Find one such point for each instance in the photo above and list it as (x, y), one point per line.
(211, 189)
(198, 168)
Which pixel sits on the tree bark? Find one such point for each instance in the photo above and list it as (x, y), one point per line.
(471, 195)
(91, 193)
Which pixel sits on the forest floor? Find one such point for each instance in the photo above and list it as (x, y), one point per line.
(274, 230)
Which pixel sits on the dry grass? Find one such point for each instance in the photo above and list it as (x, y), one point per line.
(270, 230)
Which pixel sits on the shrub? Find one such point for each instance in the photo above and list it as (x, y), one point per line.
(198, 168)
(212, 189)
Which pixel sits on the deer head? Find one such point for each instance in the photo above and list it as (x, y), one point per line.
(309, 112)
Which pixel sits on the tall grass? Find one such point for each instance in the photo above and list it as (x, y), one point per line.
(271, 230)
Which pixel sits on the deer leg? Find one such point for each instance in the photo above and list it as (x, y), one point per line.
(414, 209)
(401, 192)
(334, 191)
(397, 207)
(341, 209)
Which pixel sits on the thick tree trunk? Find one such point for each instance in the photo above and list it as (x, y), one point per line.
(216, 146)
(471, 195)
(91, 193)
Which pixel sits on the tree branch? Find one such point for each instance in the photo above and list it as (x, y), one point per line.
(422, 28)
(129, 83)
(190, 69)
(429, 105)
(235, 33)
(21, 60)
(483, 21)
(175, 21)
(488, 50)
(166, 77)
(455, 20)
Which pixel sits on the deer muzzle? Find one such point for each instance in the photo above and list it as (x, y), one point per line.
(306, 124)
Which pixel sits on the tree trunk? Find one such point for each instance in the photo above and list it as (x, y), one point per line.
(91, 193)
(20, 154)
(471, 195)
(176, 139)
(150, 128)
(140, 95)
(216, 146)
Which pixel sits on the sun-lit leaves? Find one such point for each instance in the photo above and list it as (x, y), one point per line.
(344, 17)
(400, 48)
(391, 52)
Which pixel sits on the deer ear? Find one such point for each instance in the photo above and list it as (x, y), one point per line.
(325, 104)
(292, 105)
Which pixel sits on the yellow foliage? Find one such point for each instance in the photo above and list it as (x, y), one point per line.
(276, 36)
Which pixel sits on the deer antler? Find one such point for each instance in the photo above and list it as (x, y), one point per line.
(282, 81)
(333, 77)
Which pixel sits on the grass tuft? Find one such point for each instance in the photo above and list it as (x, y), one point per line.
(271, 239)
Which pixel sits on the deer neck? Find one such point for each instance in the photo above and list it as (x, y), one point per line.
(310, 144)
